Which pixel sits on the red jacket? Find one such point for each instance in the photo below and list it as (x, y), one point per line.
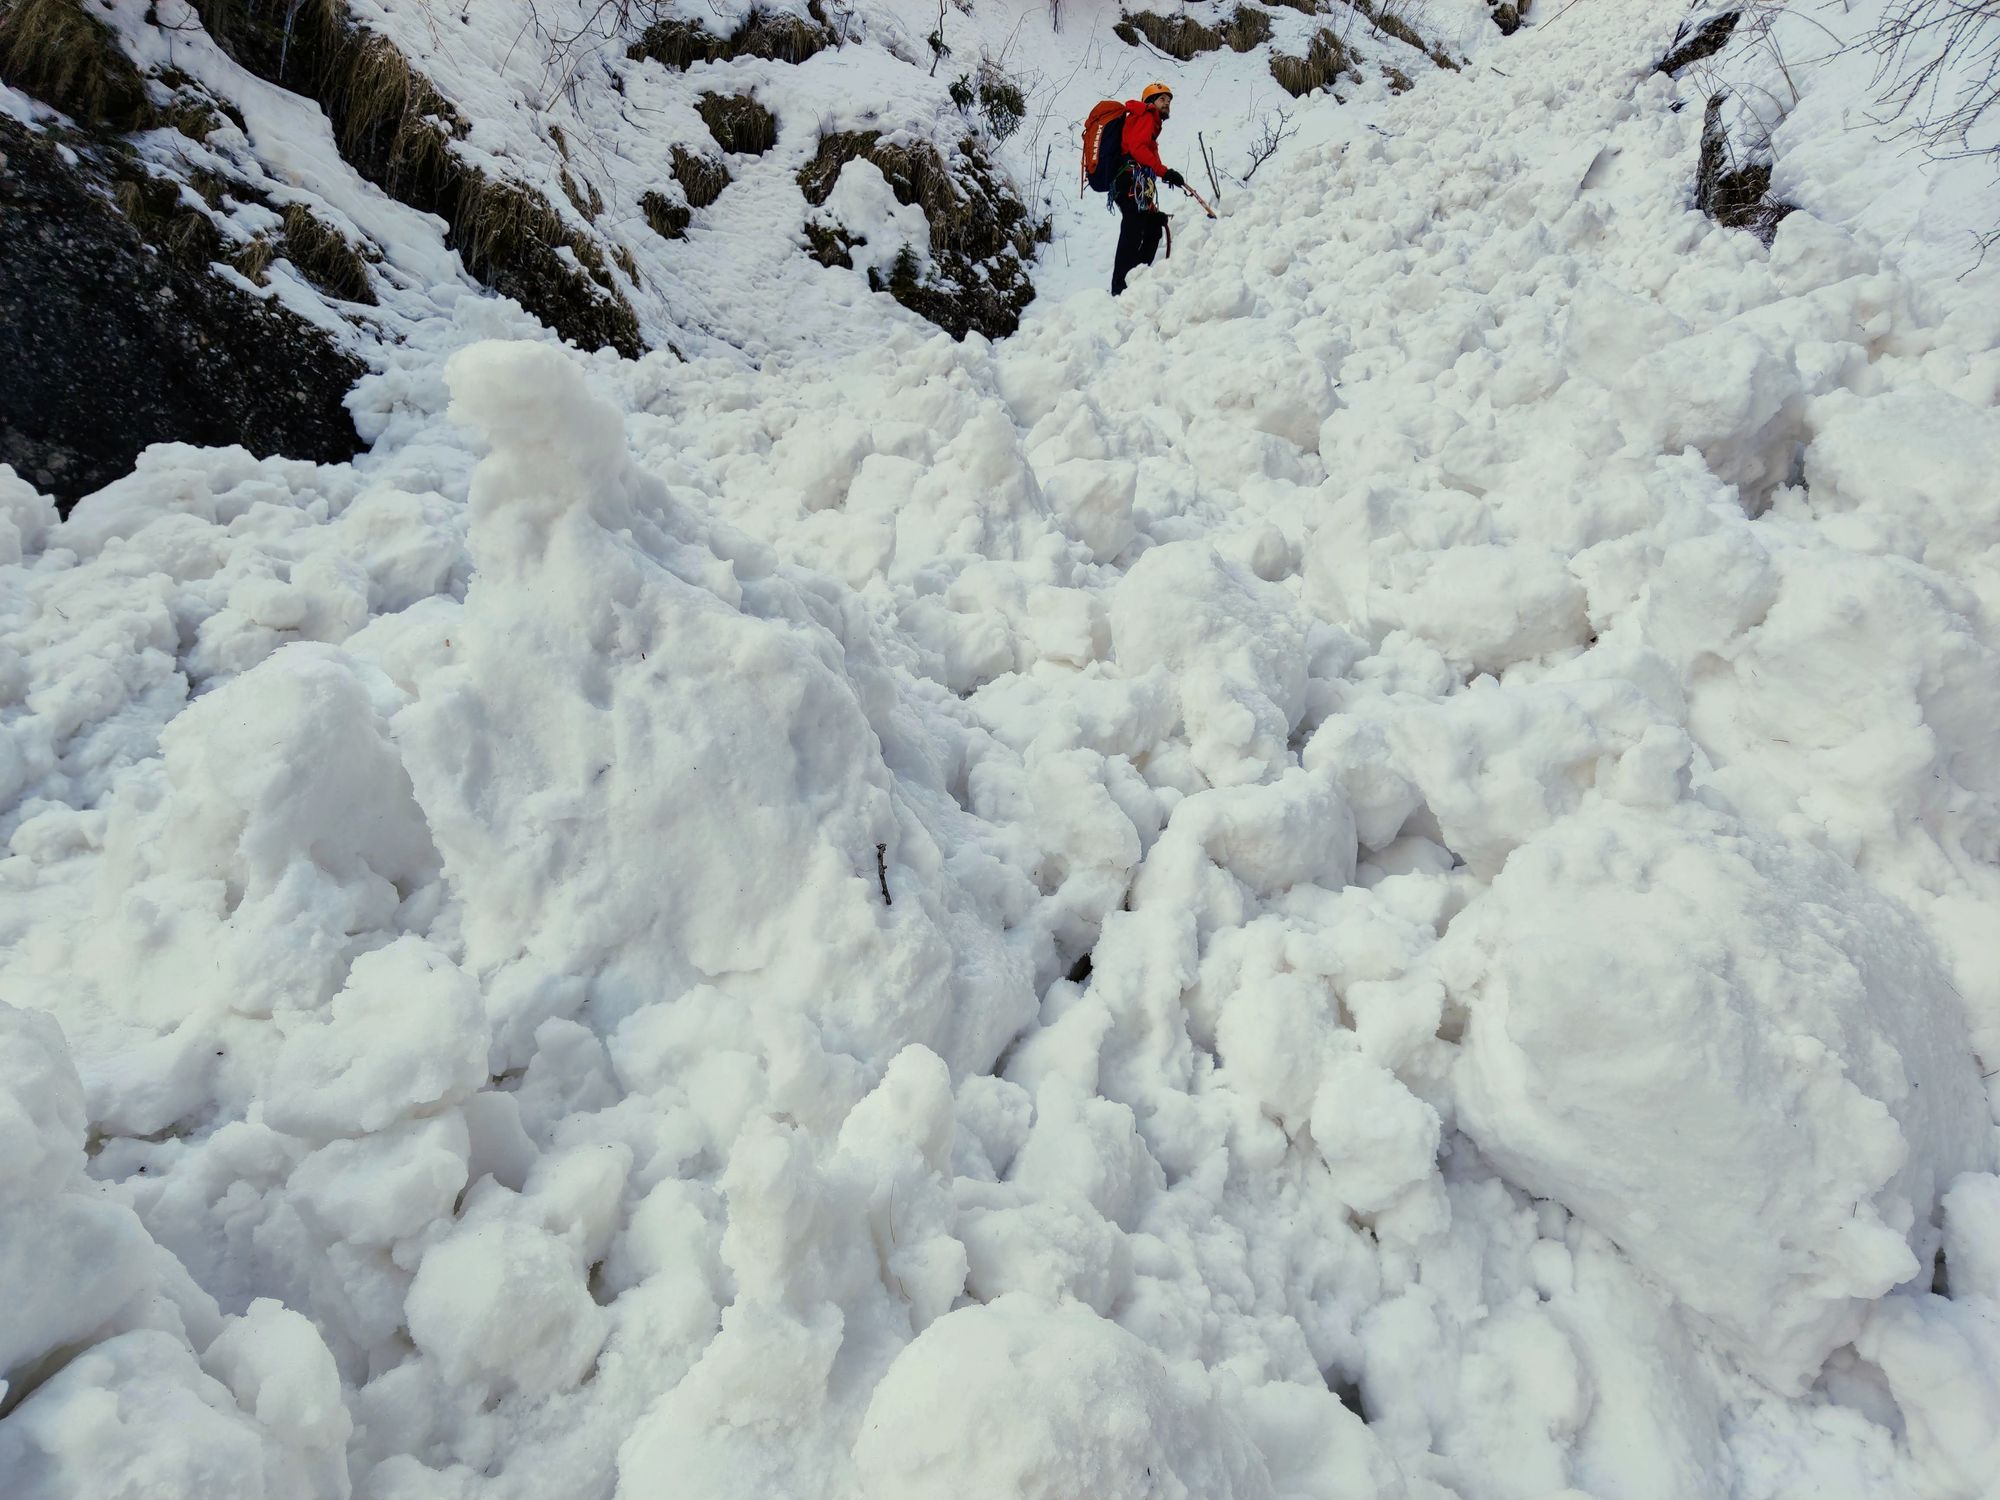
(1141, 136)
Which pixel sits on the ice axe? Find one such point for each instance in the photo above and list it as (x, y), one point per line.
(1199, 199)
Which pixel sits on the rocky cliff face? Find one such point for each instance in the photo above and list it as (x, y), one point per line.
(109, 342)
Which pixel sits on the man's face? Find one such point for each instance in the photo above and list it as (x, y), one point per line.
(1163, 105)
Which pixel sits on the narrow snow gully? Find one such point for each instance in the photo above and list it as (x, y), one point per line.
(1433, 933)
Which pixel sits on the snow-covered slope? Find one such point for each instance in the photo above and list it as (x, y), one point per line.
(1367, 872)
(654, 174)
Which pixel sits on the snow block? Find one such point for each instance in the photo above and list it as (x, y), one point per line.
(1731, 1056)
(1018, 1400)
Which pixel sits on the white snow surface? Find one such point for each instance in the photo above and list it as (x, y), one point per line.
(550, 961)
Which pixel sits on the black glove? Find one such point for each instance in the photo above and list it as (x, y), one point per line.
(1174, 179)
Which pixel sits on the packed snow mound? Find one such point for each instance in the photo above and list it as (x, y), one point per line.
(1761, 1108)
(1321, 880)
(611, 647)
(118, 1374)
(1020, 1400)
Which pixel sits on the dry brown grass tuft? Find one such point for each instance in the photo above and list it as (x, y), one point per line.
(397, 130)
(254, 259)
(702, 178)
(681, 44)
(668, 219)
(325, 258)
(1325, 61)
(61, 54)
(153, 206)
(738, 123)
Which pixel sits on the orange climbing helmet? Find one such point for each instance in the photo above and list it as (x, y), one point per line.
(1153, 91)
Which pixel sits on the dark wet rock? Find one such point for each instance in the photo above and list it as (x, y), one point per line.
(109, 342)
(1735, 194)
(1703, 41)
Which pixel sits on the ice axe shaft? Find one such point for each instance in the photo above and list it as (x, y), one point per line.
(1199, 199)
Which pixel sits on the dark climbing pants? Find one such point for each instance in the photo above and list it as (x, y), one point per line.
(1139, 234)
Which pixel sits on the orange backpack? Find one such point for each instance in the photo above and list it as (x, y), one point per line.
(1103, 144)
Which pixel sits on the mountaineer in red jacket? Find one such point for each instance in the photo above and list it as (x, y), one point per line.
(1135, 191)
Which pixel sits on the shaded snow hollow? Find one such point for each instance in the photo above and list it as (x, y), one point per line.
(1495, 674)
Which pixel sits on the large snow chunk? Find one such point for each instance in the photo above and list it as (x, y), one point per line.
(1051, 1249)
(1283, 390)
(1236, 643)
(1608, 330)
(279, 1369)
(1972, 1236)
(1293, 831)
(76, 1266)
(1018, 1400)
(388, 1186)
(27, 516)
(292, 761)
(1378, 1140)
(1495, 765)
(654, 763)
(503, 1307)
(1941, 1360)
(408, 1031)
(1093, 498)
(135, 1418)
(41, 1104)
(1726, 394)
(1728, 1054)
(1808, 253)
(1915, 462)
(1484, 607)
